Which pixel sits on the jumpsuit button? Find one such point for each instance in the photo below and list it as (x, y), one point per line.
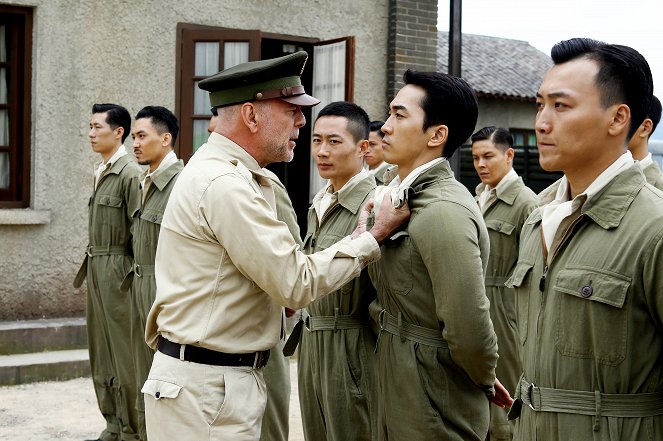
(586, 291)
(157, 395)
(154, 218)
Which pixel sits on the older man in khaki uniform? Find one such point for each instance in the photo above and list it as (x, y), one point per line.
(226, 265)
(115, 199)
(639, 145)
(154, 134)
(336, 366)
(276, 420)
(437, 350)
(505, 203)
(589, 276)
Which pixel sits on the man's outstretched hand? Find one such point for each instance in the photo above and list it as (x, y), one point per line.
(387, 220)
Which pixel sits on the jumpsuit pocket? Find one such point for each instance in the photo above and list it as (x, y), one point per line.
(500, 226)
(153, 216)
(590, 316)
(397, 272)
(159, 389)
(519, 281)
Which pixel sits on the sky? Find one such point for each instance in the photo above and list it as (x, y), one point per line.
(635, 23)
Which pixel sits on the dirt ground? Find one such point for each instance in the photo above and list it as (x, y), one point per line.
(67, 411)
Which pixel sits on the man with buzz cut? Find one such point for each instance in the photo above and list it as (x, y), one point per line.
(226, 265)
(336, 364)
(505, 202)
(114, 201)
(154, 134)
(589, 276)
(436, 350)
(639, 145)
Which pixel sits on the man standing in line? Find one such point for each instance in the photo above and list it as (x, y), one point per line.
(639, 145)
(505, 203)
(589, 275)
(114, 201)
(336, 365)
(226, 265)
(374, 156)
(437, 350)
(154, 135)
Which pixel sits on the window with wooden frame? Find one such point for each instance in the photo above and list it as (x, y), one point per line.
(15, 98)
(205, 50)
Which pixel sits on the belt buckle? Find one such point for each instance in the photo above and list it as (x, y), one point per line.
(88, 250)
(381, 318)
(307, 322)
(137, 270)
(260, 359)
(530, 388)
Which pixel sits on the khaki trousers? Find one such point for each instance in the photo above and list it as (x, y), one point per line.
(192, 401)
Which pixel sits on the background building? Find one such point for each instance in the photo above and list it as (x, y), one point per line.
(58, 57)
(506, 75)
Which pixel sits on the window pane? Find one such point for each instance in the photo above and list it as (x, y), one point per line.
(3, 44)
(201, 104)
(518, 139)
(3, 86)
(207, 59)
(235, 53)
(4, 127)
(532, 138)
(4, 170)
(200, 133)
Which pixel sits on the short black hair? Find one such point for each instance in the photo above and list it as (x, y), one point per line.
(450, 101)
(116, 116)
(376, 126)
(162, 119)
(215, 112)
(654, 113)
(501, 137)
(357, 117)
(624, 75)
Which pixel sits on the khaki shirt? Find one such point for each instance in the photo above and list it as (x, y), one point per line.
(596, 324)
(225, 264)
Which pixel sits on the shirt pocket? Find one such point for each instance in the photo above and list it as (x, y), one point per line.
(397, 258)
(152, 216)
(590, 317)
(159, 389)
(519, 281)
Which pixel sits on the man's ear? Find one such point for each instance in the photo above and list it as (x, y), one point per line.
(120, 132)
(363, 147)
(439, 136)
(165, 140)
(646, 128)
(621, 117)
(250, 116)
(510, 153)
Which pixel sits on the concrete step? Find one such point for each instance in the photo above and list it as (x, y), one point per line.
(44, 366)
(27, 336)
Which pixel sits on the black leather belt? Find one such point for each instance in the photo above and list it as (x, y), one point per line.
(196, 354)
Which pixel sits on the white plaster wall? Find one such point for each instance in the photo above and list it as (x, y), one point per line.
(123, 51)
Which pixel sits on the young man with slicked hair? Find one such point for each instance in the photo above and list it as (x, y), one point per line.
(114, 201)
(437, 350)
(505, 202)
(589, 275)
(336, 364)
(639, 145)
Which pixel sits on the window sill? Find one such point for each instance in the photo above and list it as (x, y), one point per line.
(26, 216)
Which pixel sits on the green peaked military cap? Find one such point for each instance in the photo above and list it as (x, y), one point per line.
(260, 80)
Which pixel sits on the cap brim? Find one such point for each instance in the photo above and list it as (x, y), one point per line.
(303, 100)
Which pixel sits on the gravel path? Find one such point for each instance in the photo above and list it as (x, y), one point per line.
(67, 411)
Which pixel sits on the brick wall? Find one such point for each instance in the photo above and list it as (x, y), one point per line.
(412, 41)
